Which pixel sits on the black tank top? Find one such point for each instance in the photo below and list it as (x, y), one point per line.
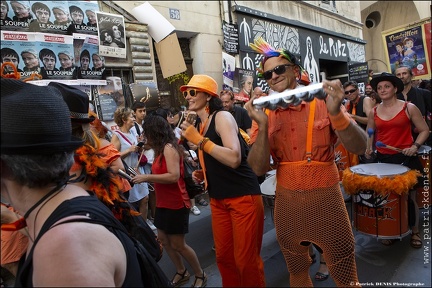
(359, 111)
(226, 182)
(93, 208)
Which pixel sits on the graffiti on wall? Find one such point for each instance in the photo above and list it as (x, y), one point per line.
(310, 45)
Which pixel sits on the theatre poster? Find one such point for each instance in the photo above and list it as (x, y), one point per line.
(409, 45)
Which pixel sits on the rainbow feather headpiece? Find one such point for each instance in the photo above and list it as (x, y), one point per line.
(262, 47)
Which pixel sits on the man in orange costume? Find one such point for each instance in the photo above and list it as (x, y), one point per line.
(309, 207)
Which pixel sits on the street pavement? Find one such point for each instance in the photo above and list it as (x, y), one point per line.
(398, 265)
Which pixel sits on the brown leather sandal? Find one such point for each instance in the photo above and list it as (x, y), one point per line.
(203, 279)
(184, 277)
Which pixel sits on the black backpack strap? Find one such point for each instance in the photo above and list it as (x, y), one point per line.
(137, 128)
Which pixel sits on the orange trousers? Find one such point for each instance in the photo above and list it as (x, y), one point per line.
(238, 225)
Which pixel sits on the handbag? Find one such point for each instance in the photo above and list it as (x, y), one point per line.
(193, 189)
(142, 159)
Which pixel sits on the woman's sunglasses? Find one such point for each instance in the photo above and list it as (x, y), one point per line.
(280, 69)
(191, 92)
(350, 91)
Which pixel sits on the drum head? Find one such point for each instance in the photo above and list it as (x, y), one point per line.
(268, 187)
(424, 149)
(379, 169)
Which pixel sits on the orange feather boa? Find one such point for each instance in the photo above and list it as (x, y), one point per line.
(399, 184)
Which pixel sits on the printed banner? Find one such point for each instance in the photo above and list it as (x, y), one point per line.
(228, 69)
(112, 35)
(407, 46)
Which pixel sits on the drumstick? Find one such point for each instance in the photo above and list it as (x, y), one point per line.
(382, 145)
(370, 132)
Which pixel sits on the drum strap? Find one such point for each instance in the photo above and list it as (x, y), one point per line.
(310, 130)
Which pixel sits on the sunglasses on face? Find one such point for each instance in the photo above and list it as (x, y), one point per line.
(191, 92)
(350, 91)
(280, 69)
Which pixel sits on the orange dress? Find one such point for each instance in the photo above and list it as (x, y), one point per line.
(13, 245)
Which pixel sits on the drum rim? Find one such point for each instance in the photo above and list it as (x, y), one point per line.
(380, 164)
(424, 149)
(268, 180)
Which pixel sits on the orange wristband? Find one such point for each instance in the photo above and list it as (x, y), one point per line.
(208, 146)
(340, 121)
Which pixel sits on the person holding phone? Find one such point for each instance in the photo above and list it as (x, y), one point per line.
(126, 141)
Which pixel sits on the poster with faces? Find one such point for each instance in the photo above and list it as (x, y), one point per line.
(83, 15)
(45, 13)
(56, 56)
(90, 65)
(16, 15)
(112, 35)
(22, 50)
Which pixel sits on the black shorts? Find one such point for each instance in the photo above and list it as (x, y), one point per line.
(172, 221)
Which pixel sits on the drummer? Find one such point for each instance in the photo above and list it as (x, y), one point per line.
(391, 120)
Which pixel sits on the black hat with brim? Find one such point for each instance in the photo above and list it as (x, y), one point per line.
(77, 101)
(387, 77)
(35, 120)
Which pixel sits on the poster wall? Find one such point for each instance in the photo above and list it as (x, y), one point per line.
(408, 46)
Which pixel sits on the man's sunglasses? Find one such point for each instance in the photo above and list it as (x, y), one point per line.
(280, 69)
(350, 91)
(191, 92)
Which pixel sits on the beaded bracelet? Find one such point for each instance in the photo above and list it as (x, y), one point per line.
(202, 143)
(417, 145)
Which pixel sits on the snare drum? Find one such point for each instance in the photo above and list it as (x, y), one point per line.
(423, 191)
(268, 190)
(383, 215)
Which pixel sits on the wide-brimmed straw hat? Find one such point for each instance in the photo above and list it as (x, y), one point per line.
(35, 120)
(77, 101)
(204, 83)
(387, 77)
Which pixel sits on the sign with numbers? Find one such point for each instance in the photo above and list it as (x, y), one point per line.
(174, 14)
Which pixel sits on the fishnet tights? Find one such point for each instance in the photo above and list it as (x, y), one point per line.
(313, 213)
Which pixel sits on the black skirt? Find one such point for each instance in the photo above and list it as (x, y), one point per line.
(172, 221)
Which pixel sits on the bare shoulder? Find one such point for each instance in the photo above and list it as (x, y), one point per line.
(104, 142)
(82, 253)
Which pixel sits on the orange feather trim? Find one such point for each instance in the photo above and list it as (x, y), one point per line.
(399, 184)
(89, 158)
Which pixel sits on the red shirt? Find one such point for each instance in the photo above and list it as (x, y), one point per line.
(171, 196)
(395, 132)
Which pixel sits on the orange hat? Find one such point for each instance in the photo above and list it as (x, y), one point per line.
(204, 83)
